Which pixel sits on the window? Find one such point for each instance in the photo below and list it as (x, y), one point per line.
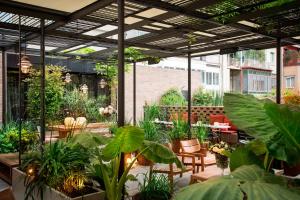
(212, 78)
(259, 83)
(215, 78)
(272, 57)
(202, 76)
(209, 78)
(290, 82)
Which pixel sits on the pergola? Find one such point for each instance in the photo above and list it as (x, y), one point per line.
(161, 28)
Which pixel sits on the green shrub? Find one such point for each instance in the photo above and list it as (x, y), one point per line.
(180, 129)
(172, 97)
(205, 98)
(54, 90)
(9, 137)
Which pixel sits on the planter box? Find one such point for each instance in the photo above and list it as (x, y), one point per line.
(18, 187)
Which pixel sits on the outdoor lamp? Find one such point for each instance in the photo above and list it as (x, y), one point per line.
(84, 88)
(102, 83)
(68, 78)
(25, 64)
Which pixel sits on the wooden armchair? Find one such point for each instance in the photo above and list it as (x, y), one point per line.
(193, 148)
(171, 169)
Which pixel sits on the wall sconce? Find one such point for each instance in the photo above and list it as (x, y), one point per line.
(25, 64)
(68, 78)
(102, 83)
(84, 88)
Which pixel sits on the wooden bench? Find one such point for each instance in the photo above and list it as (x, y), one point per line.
(7, 163)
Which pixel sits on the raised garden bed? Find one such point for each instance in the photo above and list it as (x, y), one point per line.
(49, 193)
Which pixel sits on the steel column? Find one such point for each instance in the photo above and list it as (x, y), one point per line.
(4, 88)
(278, 71)
(189, 93)
(20, 98)
(134, 93)
(42, 97)
(121, 77)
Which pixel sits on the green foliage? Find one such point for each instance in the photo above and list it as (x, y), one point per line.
(54, 90)
(246, 182)
(128, 139)
(78, 104)
(172, 97)
(207, 98)
(151, 112)
(84, 51)
(51, 168)
(151, 130)
(200, 132)
(155, 187)
(275, 125)
(9, 137)
(179, 130)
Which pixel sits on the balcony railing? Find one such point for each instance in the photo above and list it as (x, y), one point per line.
(238, 63)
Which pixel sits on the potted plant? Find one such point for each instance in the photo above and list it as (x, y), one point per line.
(222, 152)
(201, 133)
(128, 139)
(178, 132)
(154, 186)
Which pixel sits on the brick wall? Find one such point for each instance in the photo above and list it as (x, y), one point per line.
(202, 112)
(152, 83)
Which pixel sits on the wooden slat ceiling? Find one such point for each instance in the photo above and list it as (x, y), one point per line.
(159, 27)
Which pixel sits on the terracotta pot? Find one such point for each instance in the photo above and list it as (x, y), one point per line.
(291, 170)
(204, 148)
(143, 161)
(176, 145)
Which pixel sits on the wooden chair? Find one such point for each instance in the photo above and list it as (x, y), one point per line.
(193, 148)
(171, 169)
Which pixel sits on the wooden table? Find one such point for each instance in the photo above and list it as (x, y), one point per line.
(7, 162)
(208, 173)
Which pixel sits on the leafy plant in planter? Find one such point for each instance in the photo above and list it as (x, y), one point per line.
(60, 162)
(275, 126)
(172, 97)
(157, 186)
(54, 90)
(128, 139)
(178, 132)
(245, 183)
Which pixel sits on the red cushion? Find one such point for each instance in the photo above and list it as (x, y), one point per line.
(216, 118)
(232, 126)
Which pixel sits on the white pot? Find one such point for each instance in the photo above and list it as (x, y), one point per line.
(18, 188)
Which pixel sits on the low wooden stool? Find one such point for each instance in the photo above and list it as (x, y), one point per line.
(204, 176)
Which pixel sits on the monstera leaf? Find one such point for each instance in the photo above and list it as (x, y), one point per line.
(249, 115)
(286, 145)
(127, 139)
(159, 153)
(247, 182)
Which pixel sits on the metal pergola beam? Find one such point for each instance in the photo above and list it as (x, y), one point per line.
(31, 10)
(198, 15)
